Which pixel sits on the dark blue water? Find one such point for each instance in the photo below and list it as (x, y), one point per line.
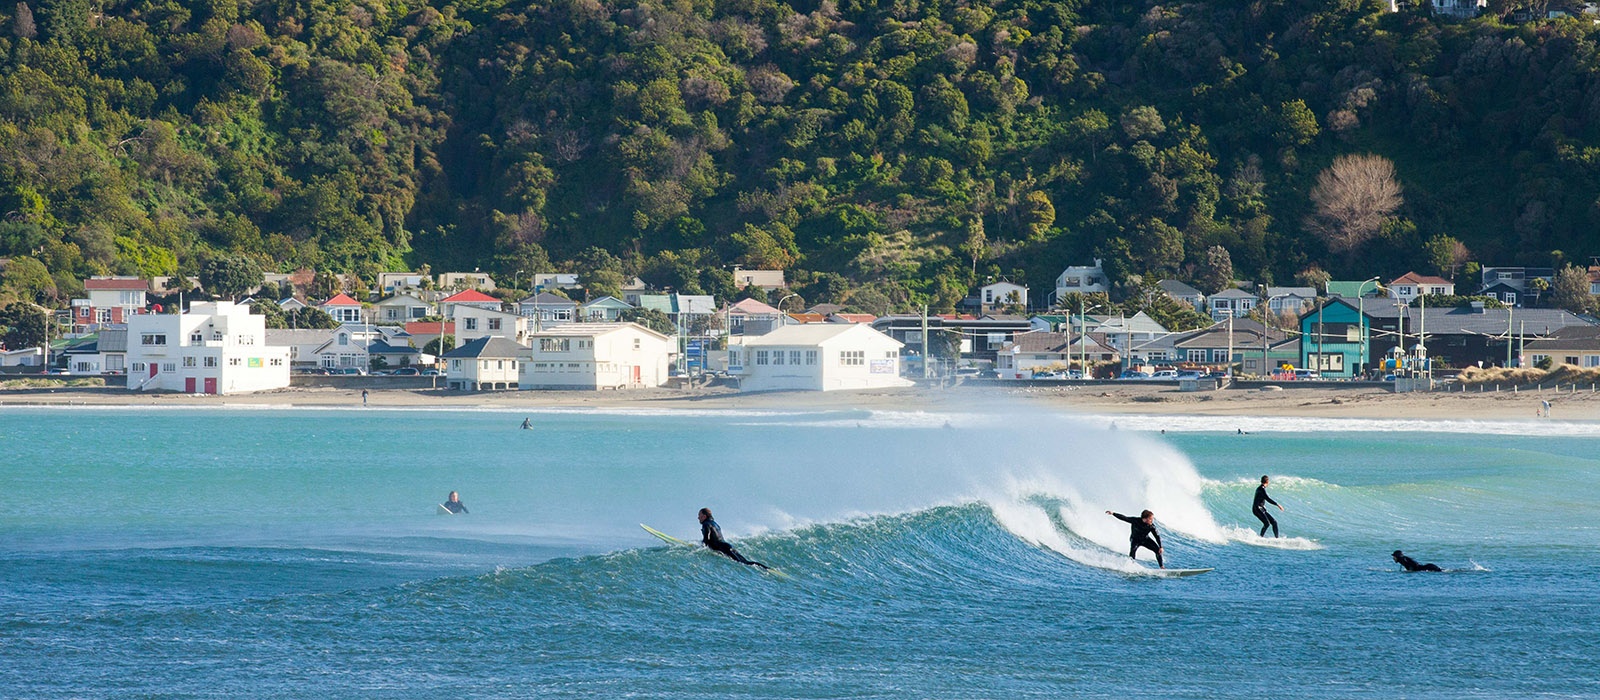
(297, 554)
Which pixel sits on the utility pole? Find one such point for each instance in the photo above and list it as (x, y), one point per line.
(927, 371)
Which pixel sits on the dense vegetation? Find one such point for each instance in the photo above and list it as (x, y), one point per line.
(885, 152)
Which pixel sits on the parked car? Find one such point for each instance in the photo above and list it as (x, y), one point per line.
(432, 373)
(351, 371)
(1191, 374)
(1049, 375)
(407, 372)
(1133, 374)
(1304, 374)
(966, 371)
(1165, 374)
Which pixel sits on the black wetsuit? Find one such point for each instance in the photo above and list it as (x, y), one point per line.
(455, 506)
(1260, 510)
(711, 535)
(1411, 564)
(1142, 535)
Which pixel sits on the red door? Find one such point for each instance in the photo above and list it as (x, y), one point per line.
(152, 369)
(188, 385)
(635, 374)
(211, 385)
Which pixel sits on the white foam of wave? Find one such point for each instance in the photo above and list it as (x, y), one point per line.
(1289, 424)
(1254, 539)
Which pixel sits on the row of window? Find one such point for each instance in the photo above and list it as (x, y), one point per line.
(191, 362)
(1584, 361)
(471, 324)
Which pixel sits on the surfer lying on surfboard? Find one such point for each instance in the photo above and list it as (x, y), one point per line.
(1143, 529)
(711, 535)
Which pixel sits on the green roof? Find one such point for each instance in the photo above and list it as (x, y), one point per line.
(1353, 289)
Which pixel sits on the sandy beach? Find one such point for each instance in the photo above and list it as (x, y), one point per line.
(1328, 402)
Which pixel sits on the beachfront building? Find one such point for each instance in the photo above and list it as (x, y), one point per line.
(1578, 346)
(1238, 342)
(597, 356)
(976, 338)
(213, 348)
(103, 352)
(817, 357)
(110, 300)
(487, 363)
(1339, 341)
(473, 322)
(1048, 351)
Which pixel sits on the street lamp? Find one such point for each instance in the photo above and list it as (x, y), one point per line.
(1361, 322)
(782, 319)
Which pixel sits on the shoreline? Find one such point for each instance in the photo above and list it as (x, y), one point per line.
(1317, 402)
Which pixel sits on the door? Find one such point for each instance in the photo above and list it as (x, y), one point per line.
(153, 369)
(211, 385)
(188, 385)
(635, 374)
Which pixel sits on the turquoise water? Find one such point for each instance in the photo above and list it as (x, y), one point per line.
(296, 553)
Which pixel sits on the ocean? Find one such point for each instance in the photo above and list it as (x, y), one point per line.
(297, 553)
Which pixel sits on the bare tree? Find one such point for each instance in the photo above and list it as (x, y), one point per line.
(22, 24)
(1353, 197)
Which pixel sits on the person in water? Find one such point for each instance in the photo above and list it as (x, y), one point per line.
(711, 536)
(527, 423)
(1142, 534)
(1259, 508)
(454, 504)
(1410, 564)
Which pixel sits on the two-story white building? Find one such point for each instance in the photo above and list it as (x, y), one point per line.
(467, 298)
(597, 356)
(213, 348)
(1234, 303)
(473, 323)
(1000, 294)
(817, 357)
(342, 308)
(402, 308)
(1412, 285)
(1082, 279)
(485, 364)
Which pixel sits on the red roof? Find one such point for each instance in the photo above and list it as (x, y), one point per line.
(430, 327)
(1414, 278)
(857, 318)
(340, 299)
(119, 283)
(470, 295)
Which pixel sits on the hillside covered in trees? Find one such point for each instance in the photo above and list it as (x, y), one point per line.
(886, 152)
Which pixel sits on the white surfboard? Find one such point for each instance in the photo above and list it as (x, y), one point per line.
(445, 511)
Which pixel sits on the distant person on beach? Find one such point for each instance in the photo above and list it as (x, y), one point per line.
(711, 536)
(1546, 406)
(454, 504)
(527, 423)
(363, 397)
(1259, 508)
(1142, 534)
(1242, 432)
(1410, 564)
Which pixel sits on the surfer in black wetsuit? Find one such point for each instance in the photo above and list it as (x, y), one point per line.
(1259, 508)
(1410, 564)
(454, 504)
(711, 535)
(1143, 534)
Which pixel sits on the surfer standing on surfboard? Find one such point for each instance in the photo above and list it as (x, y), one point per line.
(711, 535)
(1259, 508)
(1143, 530)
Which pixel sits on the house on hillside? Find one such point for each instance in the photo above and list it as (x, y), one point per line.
(1291, 300)
(213, 348)
(392, 282)
(590, 356)
(111, 300)
(1081, 279)
(764, 279)
(548, 309)
(545, 281)
(1002, 294)
(342, 308)
(464, 281)
(752, 317)
(1184, 294)
(816, 357)
(606, 309)
(472, 323)
(487, 363)
(402, 308)
(1235, 303)
(1514, 285)
(467, 297)
(1412, 285)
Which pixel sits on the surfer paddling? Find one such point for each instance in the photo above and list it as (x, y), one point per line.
(454, 504)
(711, 535)
(1142, 534)
(1410, 564)
(1259, 508)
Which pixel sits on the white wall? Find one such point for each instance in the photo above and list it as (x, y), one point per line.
(218, 341)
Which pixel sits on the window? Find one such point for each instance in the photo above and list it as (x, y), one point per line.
(169, 366)
(455, 364)
(555, 344)
(344, 339)
(733, 358)
(472, 324)
(853, 358)
(777, 357)
(153, 339)
(245, 340)
(1591, 360)
(102, 315)
(761, 357)
(188, 362)
(494, 324)
(635, 343)
(499, 364)
(196, 339)
(890, 354)
(794, 357)
(277, 362)
(211, 362)
(139, 366)
(1197, 355)
(233, 362)
(1570, 359)
(811, 357)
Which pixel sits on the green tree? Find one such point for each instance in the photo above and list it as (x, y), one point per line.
(27, 278)
(1297, 125)
(22, 325)
(440, 345)
(1571, 290)
(230, 276)
(1216, 270)
(654, 319)
(324, 285)
(309, 317)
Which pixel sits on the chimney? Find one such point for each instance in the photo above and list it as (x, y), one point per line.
(1477, 307)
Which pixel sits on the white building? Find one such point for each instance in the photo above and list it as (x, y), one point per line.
(1003, 294)
(467, 298)
(1082, 279)
(402, 308)
(597, 356)
(485, 364)
(342, 308)
(1236, 303)
(817, 357)
(465, 280)
(389, 282)
(1412, 285)
(765, 279)
(473, 323)
(214, 348)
